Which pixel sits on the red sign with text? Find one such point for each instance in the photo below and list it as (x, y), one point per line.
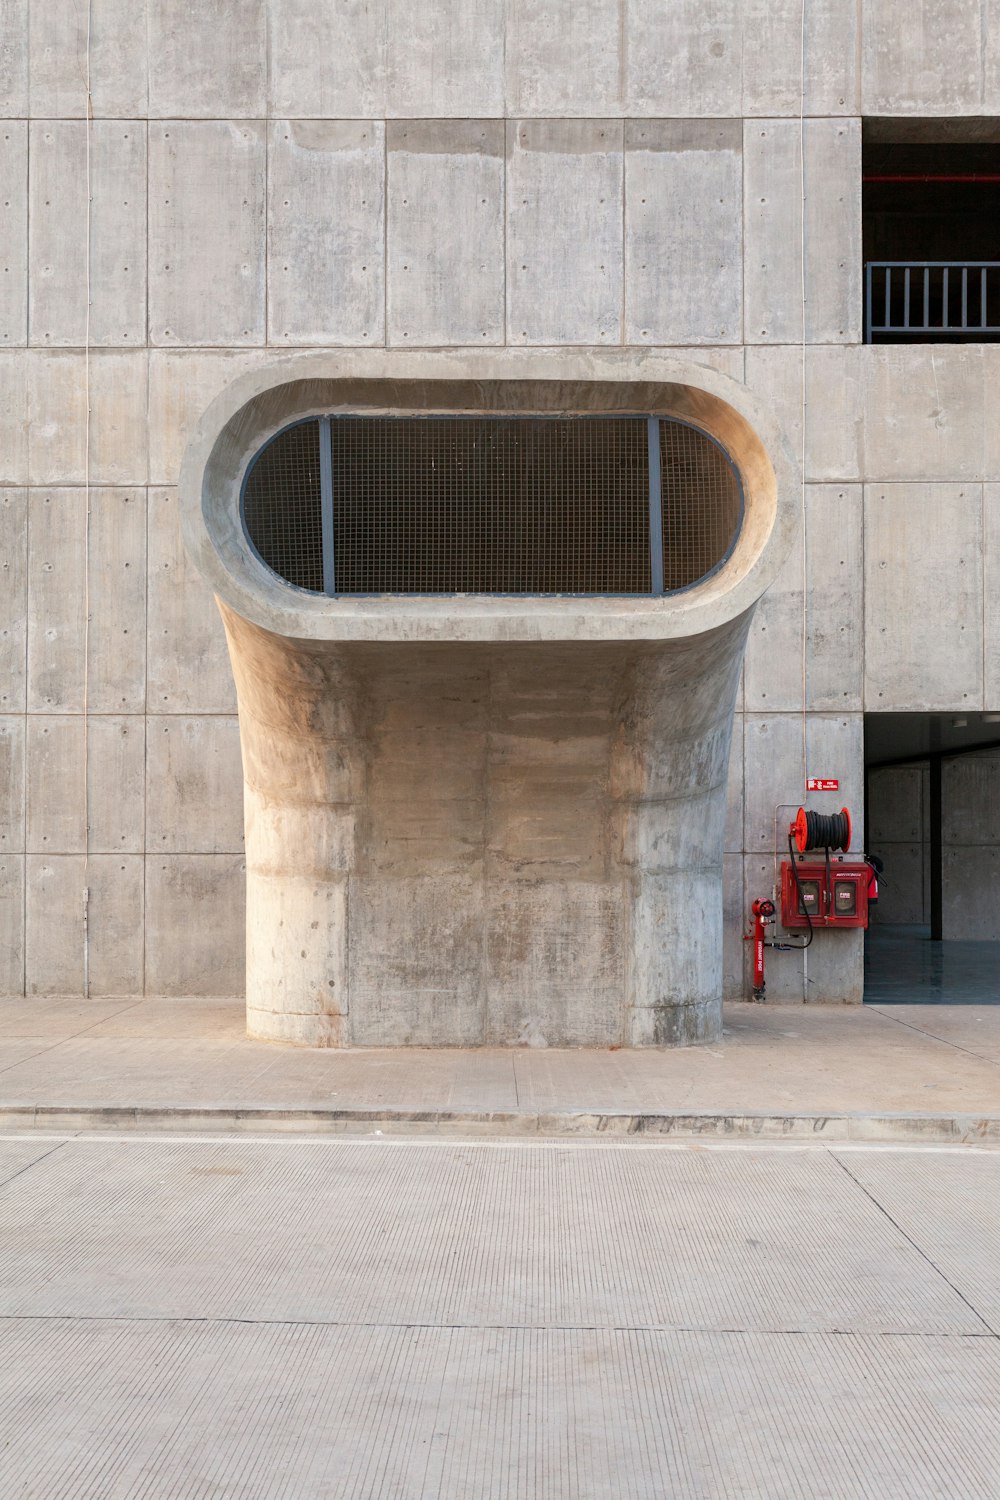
(822, 784)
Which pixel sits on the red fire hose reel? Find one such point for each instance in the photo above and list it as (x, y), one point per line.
(830, 892)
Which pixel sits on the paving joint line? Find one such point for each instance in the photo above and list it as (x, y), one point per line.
(919, 1248)
(700, 1330)
(34, 1162)
(898, 1020)
(73, 1036)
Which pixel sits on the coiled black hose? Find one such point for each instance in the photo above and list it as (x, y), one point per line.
(826, 831)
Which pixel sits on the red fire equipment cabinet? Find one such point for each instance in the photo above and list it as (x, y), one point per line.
(834, 893)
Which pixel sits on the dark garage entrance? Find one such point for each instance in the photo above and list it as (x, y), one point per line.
(933, 815)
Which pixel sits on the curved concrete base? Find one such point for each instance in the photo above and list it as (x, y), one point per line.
(462, 844)
(484, 820)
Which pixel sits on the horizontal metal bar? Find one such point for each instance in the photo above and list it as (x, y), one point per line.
(931, 177)
(953, 265)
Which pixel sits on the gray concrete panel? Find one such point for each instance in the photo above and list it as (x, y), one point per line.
(327, 62)
(12, 764)
(684, 58)
(991, 597)
(565, 58)
(57, 51)
(13, 59)
(970, 881)
(118, 59)
(55, 811)
(116, 668)
(11, 924)
(901, 894)
(57, 521)
(115, 923)
(59, 65)
(58, 234)
(774, 178)
(207, 62)
(773, 669)
(923, 604)
(970, 799)
(991, 427)
(772, 232)
(195, 924)
(774, 44)
(445, 288)
(181, 385)
(116, 768)
(564, 231)
(776, 775)
(13, 416)
(206, 231)
(13, 599)
(78, 295)
(929, 65)
(188, 667)
(835, 968)
(444, 59)
(896, 811)
(924, 406)
(56, 417)
(326, 193)
(834, 410)
(834, 303)
(194, 785)
(13, 231)
(835, 597)
(117, 233)
(53, 924)
(118, 439)
(683, 231)
(834, 617)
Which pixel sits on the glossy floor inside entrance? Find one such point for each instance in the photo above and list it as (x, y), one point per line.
(904, 967)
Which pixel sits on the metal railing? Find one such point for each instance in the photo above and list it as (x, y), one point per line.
(932, 299)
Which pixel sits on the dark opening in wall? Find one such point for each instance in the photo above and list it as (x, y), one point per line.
(931, 230)
(359, 505)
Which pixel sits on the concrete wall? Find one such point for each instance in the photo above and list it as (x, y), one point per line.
(970, 847)
(295, 197)
(899, 831)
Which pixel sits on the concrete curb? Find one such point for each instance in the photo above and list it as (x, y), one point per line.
(951, 1129)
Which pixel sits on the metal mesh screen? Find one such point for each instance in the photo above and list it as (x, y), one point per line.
(282, 508)
(491, 506)
(701, 502)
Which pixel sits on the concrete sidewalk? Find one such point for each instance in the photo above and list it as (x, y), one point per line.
(893, 1073)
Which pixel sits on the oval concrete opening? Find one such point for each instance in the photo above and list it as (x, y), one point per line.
(487, 635)
(509, 505)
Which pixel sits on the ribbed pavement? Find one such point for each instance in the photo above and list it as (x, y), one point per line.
(189, 1319)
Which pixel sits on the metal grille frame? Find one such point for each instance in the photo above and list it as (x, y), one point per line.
(668, 557)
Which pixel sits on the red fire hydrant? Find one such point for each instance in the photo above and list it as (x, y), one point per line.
(763, 915)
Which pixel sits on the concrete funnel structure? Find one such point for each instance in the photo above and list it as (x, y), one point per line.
(483, 819)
